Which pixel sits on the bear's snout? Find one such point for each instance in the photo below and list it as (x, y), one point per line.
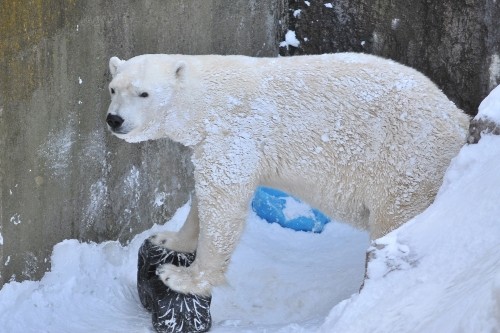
(114, 121)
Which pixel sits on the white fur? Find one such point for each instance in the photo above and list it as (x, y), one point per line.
(365, 140)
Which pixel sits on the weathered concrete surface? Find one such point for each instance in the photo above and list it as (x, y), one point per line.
(61, 174)
(454, 42)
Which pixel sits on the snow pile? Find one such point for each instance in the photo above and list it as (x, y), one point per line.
(441, 271)
(277, 276)
(487, 119)
(490, 107)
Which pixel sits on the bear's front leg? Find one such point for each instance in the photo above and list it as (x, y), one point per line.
(222, 218)
(186, 239)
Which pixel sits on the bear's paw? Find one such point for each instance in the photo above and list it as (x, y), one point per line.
(185, 280)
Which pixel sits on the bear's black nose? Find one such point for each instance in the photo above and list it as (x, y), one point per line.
(114, 121)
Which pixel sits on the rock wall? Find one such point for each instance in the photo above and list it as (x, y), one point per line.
(62, 175)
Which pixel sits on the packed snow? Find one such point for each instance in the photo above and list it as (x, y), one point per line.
(440, 272)
(490, 107)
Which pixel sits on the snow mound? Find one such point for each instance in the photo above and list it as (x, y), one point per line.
(439, 272)
(490, 106)
(277, 278)
(487, 120)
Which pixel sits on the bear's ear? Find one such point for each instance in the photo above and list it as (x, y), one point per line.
(114, 62)
(180, 69)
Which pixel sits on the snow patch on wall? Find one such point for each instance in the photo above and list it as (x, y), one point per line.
(378, 41)
(494, 71)
(290, 40)
(132, 180)
(94, 151)
(30, 265)
(132, 195)
(15, 219)
(98, 194)
(57, 152)
(395, 23)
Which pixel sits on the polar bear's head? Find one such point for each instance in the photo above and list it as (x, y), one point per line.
(142, 93)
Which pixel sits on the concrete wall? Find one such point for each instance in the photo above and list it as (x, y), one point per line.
(61, 174)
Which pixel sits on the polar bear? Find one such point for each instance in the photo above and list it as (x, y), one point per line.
(364, 139)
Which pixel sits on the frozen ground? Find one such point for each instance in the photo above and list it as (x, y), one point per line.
(440, 272)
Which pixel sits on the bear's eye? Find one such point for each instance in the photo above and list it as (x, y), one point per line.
(112, 91)
(144, 94)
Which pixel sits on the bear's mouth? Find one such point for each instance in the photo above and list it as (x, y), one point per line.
(118, 131)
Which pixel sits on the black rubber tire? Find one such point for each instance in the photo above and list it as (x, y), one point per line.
(172, 312)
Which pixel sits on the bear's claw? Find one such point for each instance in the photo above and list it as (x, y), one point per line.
(171, 311)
